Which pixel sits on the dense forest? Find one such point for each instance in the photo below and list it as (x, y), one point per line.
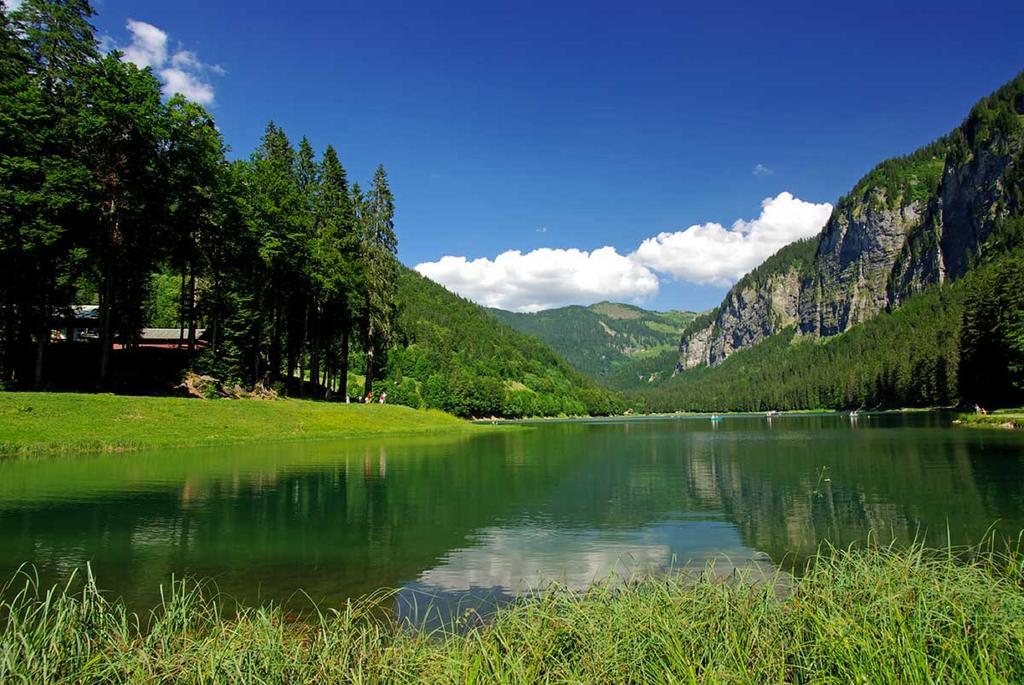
(275, 270)
(602, 340)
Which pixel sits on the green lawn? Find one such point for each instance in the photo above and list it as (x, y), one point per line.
(34, 423)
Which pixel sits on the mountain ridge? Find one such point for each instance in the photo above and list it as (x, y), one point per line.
(909, 223)
(599, 339)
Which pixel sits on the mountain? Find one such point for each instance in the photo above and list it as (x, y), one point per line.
(602, 339)
(911, 222)
(912, 228)
(452, 354)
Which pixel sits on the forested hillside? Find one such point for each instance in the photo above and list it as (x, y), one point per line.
(272, 270)
(603, 339)
(469, 364)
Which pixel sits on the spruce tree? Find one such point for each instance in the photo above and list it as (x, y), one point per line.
(337, 266)
(273, 209)
(379, 246)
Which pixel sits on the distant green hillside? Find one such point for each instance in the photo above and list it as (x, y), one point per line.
(451, 355)
(604, 338)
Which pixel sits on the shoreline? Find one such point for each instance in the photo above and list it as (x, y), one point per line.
(1000, 419)
(708, 414)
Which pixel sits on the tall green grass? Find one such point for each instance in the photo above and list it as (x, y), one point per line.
(875, 615)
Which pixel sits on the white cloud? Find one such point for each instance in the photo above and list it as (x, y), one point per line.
(544, 278)
(709, 254)
(181, 72)
(713, 254)
(762, 170)
(148, 47)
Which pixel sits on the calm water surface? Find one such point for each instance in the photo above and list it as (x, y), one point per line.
(495, 514)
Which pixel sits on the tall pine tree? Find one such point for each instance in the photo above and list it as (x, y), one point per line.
(379, 247)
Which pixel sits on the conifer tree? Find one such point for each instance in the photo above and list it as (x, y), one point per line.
(379, 248)
(337, 266)
(273, 210)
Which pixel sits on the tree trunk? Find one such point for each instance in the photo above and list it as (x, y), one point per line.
(107, 292)
(37, 376)
(182, 309)
(368, 385)
(192, 309)
(9, 344)
(314, 353)
(343, 361)
(302, 352)
(275, 344)
(257, 344)
(106, 334)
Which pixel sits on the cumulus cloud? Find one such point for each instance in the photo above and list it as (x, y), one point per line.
(148, 47)
(544, 278)
(762, 170)
(708, 254)
(180, 72)
(715, 255)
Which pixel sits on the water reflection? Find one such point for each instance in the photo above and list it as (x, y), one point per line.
(498, 514)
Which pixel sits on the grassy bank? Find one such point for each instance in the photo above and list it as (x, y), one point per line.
(1002, 418)
(38, 423)
(880, 616)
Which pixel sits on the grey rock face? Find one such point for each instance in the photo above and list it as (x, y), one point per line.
(751, 314)
(858, 249)
(694, 349)
(972, 199)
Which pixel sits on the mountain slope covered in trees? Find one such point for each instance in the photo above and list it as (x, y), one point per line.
(603, 339)
(467, 363)
(909, 296)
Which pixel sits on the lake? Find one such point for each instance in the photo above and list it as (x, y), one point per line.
(489, 515)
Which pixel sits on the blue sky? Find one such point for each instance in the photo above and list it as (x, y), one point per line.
(574, 127)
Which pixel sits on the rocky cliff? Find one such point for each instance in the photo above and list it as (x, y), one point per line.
(909, 223)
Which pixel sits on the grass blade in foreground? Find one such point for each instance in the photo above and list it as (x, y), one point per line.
(870, 616)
